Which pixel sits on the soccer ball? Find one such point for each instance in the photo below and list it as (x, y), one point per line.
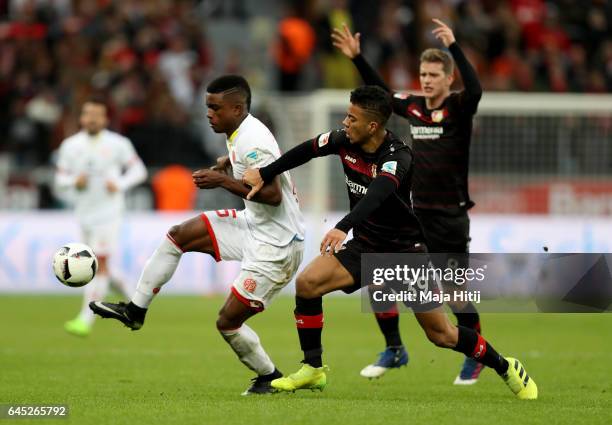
(75, 264)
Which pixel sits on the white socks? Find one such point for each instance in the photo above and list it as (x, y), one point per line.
(245, 343)
(94, 291)
(159, 269)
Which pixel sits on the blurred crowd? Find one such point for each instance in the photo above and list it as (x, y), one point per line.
(151, 58)
(516, 45)
(146, 57)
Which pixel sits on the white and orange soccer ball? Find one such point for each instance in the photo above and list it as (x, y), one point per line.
(75, 264)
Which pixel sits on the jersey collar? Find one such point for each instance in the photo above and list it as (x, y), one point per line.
(97, 137)
(233, 136)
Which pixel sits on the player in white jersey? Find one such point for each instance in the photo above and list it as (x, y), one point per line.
(94, 168)
(267, 236)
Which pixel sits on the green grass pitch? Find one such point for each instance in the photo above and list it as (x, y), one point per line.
(178, 370)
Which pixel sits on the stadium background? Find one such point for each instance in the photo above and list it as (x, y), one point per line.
(541, 175)
(540, 162)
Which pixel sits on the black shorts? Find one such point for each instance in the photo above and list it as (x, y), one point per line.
(445, 230)
(447, 233)
(350, 258)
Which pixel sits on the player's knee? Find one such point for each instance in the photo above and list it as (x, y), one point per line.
(225, 323)
(181, 236)
(437, 338)
(231, 318)
(222, 324)
(307, 286)
(175, 232)
(457, 306)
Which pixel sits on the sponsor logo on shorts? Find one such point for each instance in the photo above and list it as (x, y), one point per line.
(249, 285)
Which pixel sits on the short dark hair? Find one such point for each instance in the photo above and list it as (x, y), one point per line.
(97, 99)
(231, 83)
(375, 101)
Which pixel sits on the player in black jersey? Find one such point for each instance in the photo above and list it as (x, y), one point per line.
(441, 129)
(378, 173)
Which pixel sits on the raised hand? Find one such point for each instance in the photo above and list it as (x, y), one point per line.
(344, 40)
(443, 33)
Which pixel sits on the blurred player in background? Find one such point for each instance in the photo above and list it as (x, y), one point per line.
(441, 130)
(267, 236)
(95, 167)
(378, 173)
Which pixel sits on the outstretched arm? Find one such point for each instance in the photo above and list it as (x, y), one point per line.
(319, 146)
(256, 178)
(473, 89)
(349, 44)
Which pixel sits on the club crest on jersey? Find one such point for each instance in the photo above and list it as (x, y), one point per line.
(437, 115)
(373, 170)
(323, 139)
(389, 167)
(249, 285)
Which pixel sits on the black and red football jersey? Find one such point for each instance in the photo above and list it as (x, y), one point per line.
(390, 227)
